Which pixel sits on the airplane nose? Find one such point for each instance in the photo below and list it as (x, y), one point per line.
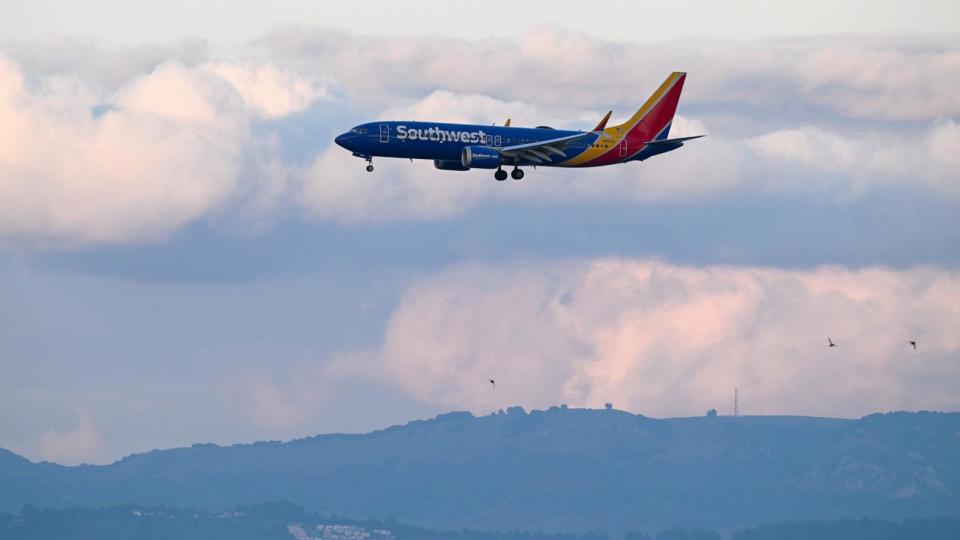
(341, 140)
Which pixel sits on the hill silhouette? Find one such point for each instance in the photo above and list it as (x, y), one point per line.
(286, 521)
(560, 470)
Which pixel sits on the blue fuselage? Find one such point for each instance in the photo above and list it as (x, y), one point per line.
(445, 143)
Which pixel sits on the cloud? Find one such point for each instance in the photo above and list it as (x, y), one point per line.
(167, 154)
(269, 90)
(104, 68)
(84, 444)
(169, 148)
(666, 340)
(268, 405)
(854, 76)
(281, 401)
(881, 82)
(860, 164)
(336, 187)
(178, 142)
(483, 109)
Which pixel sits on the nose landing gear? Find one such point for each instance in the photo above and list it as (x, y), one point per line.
(369, 164)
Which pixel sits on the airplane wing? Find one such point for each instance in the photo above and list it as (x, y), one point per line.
(540, 151)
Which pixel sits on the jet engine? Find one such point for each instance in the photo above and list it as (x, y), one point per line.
(480, 157)
(446, 165)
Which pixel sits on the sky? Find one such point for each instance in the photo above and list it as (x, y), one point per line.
(186, 257)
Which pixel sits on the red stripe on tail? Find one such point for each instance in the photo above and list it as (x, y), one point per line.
(658, 117)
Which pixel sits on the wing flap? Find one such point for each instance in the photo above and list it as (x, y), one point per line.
(529, 156)
(554, 151)
(553, 144)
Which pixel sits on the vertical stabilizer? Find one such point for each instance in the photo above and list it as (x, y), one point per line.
(652, 121)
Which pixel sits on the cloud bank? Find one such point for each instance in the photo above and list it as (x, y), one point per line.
(89, 156)
(166, 149)
(872, 77)
(668, 340)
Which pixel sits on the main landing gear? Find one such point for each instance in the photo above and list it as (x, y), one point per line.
(501, 174)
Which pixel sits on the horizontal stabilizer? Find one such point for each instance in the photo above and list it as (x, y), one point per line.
(673, 141)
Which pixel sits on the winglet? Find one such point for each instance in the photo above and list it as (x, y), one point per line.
(603, 122)
(507, 123)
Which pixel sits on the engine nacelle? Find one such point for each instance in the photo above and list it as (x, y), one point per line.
(480, 157)
(445, 165)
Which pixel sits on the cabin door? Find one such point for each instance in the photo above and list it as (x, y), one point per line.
(384, 133)
(623, 147)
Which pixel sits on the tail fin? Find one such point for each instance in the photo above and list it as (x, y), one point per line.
(652, 121)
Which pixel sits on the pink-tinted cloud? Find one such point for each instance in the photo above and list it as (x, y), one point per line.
(671, 340)
(169, 148)
(84, 444)
(269, 90)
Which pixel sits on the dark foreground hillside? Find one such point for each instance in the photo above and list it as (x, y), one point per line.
(561, 470)
(284, 521)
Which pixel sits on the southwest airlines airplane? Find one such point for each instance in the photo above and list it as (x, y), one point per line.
(461, 147)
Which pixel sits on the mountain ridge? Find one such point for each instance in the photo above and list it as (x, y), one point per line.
(555, 470)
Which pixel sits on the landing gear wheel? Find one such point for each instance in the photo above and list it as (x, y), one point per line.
(500, 175)
(517, 174)
(369, 168)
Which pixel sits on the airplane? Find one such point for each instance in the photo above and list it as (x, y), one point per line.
(461, 147)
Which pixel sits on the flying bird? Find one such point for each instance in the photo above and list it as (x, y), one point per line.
(914, 344)
(831, 343)
(493, 382)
